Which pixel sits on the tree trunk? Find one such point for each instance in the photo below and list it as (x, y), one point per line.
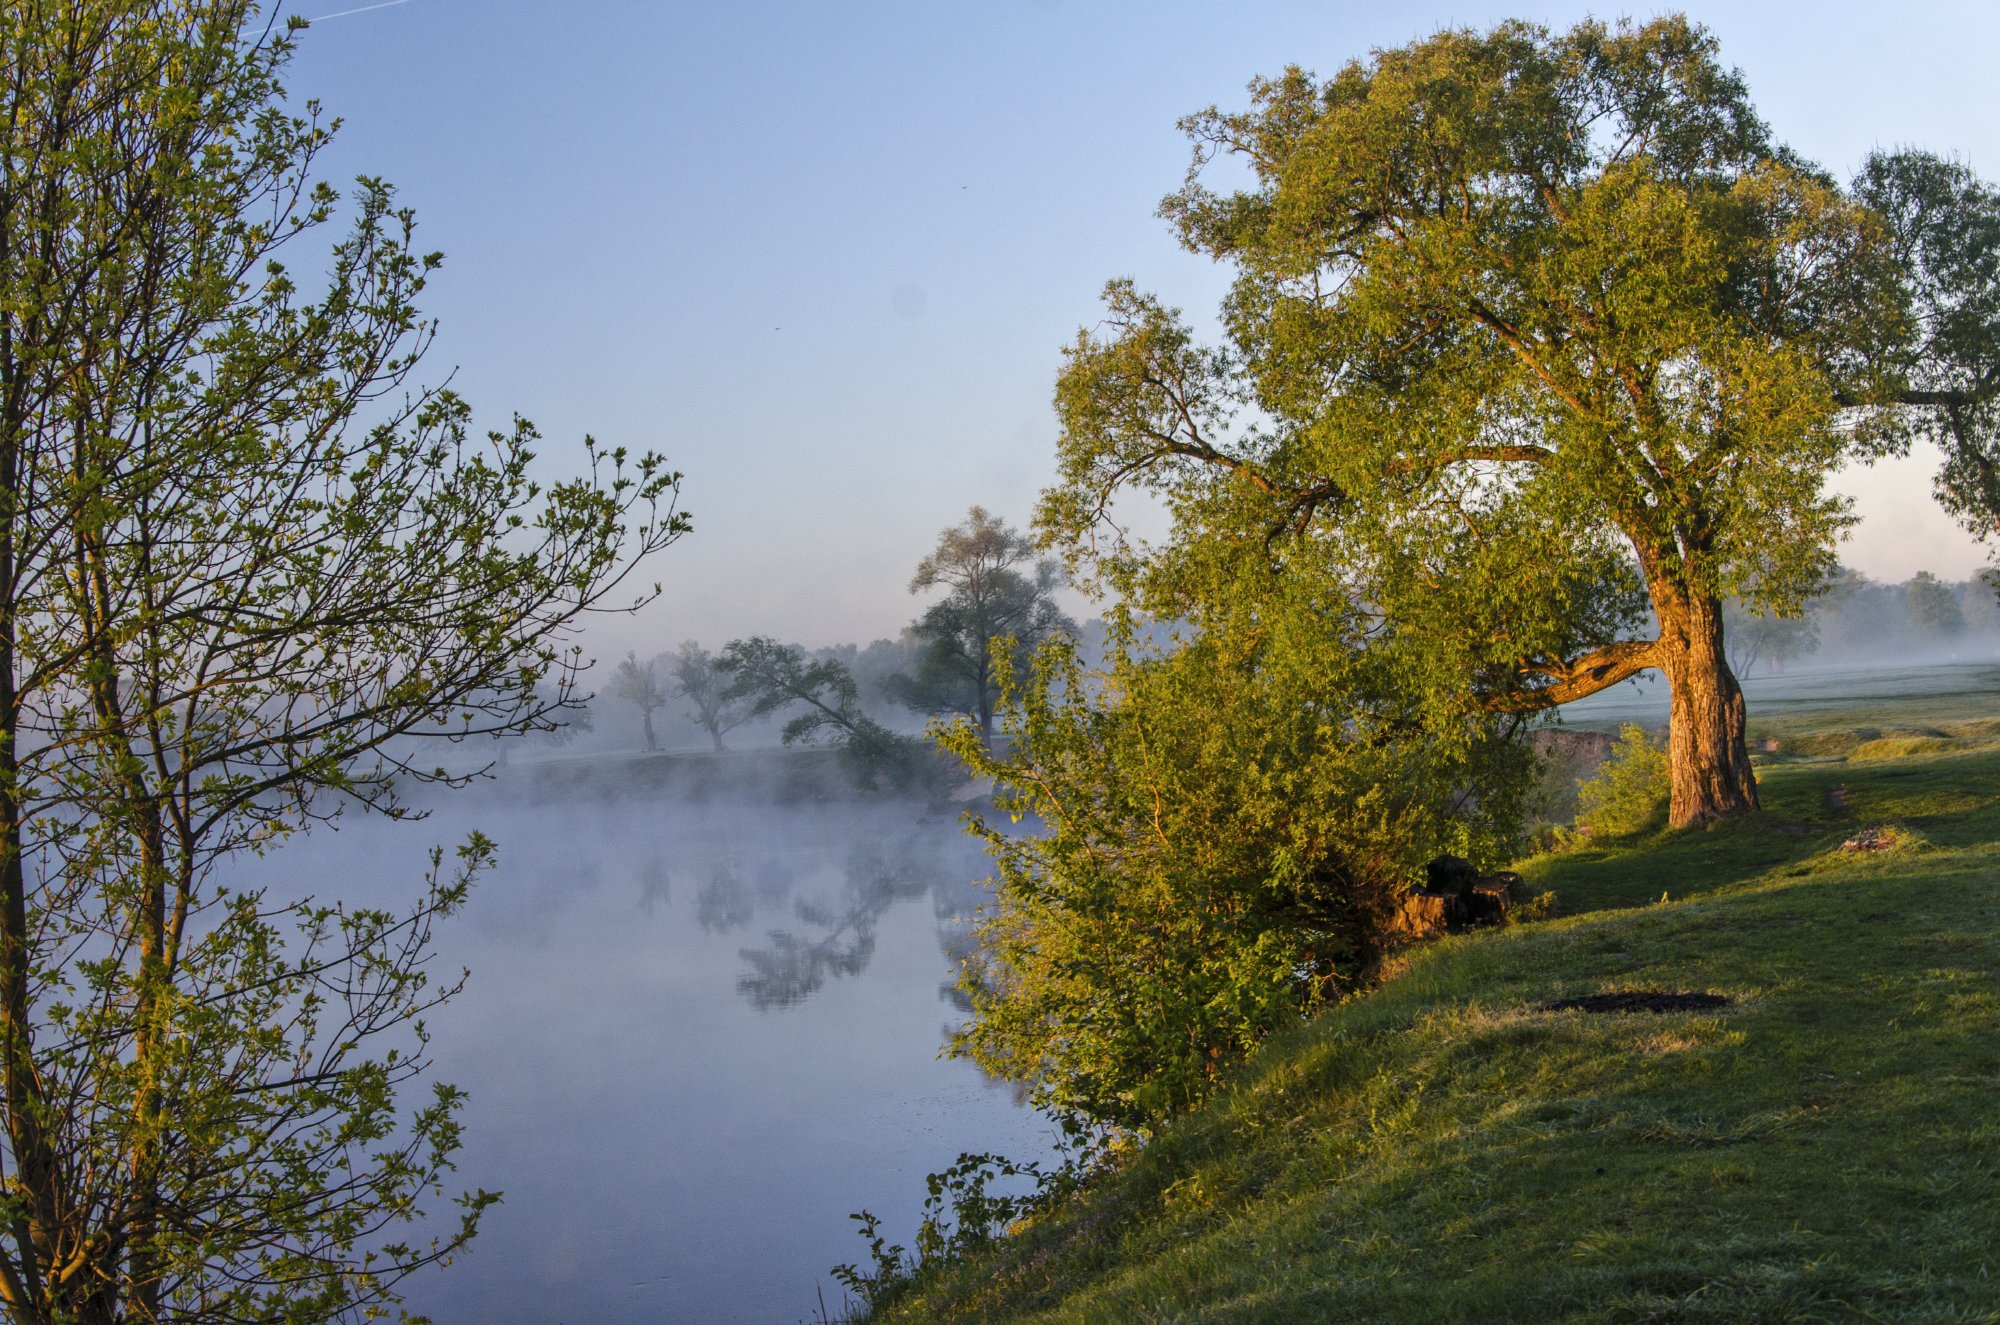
(1706, 746)
(652, 742)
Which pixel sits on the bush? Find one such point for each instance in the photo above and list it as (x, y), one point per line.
(1628, 793)
(1228, 828)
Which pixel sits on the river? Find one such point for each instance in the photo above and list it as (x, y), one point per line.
(696, 1037)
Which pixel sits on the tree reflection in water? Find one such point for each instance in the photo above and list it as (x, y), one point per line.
(723, 903)
(838, 939)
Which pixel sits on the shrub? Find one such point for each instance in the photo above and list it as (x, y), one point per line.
(1628, 793)
(1227, 827)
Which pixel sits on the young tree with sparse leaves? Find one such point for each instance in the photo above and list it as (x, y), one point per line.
(702, 682)
(247, 566)
(638, 684)
(1548, 326)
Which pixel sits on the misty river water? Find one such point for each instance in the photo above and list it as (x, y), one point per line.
(696, 1037)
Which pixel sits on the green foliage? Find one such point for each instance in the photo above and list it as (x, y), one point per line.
(231, 609)
(1803, 1154)
(1945, 366)
(1537, 326)
(962, 1216)
(1222, 830)
(1628, 793)
(768, 677)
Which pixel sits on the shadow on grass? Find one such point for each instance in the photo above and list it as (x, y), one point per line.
(1946, 791)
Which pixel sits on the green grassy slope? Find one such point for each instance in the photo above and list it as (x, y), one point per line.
(1826, 1148)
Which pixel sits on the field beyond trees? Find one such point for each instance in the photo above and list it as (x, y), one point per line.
(1445, 1148)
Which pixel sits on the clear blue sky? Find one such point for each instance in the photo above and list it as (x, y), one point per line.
(824, 256)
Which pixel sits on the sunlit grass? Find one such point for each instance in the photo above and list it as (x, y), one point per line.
(1825, 1148)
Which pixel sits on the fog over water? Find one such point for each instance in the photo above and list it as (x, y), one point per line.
(707, 999)
(696, 1037)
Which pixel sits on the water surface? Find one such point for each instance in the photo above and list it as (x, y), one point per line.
(696, 1037)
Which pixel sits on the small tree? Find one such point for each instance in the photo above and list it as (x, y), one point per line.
(638, 684)
(700, 680)
(1628, 793)
(996, 588)
(228, 611)
(1766, 637)
(1228, 827)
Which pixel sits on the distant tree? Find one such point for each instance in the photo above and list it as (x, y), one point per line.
(1932, 606)
(704, 685)
(996, 588)
(637, 683)
(1766, 637)
(825, 704)
(882, 669)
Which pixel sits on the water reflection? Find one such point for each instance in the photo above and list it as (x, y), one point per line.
(839, 936)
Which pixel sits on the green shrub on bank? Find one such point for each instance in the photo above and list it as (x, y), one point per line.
(1628, 793)
(1228, 826)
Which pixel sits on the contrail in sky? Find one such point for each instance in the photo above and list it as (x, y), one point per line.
(386, 4)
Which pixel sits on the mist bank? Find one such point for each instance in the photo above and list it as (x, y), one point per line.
(1860, 622)
(770, 775)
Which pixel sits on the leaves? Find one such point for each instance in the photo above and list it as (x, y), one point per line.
(246, 563)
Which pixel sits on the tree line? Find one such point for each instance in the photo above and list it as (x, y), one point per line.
(1856, 620)
(995, 605)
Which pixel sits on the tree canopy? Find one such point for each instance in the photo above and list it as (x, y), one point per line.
(768, 677)
(1547, 330)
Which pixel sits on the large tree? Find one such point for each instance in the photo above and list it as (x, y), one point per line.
(247, 566)
(1549, 326)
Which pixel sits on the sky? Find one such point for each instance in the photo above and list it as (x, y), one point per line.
(824, 257)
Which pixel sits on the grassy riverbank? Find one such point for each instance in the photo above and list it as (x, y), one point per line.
(1826, 1147)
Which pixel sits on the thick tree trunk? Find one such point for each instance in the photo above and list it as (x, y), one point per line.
(1706, 746)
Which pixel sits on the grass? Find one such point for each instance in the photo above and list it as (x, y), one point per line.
(1826, 1148)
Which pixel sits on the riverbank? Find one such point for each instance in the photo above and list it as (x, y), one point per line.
(1821, 1146)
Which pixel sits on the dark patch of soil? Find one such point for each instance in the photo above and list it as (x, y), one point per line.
(1639, 1000)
